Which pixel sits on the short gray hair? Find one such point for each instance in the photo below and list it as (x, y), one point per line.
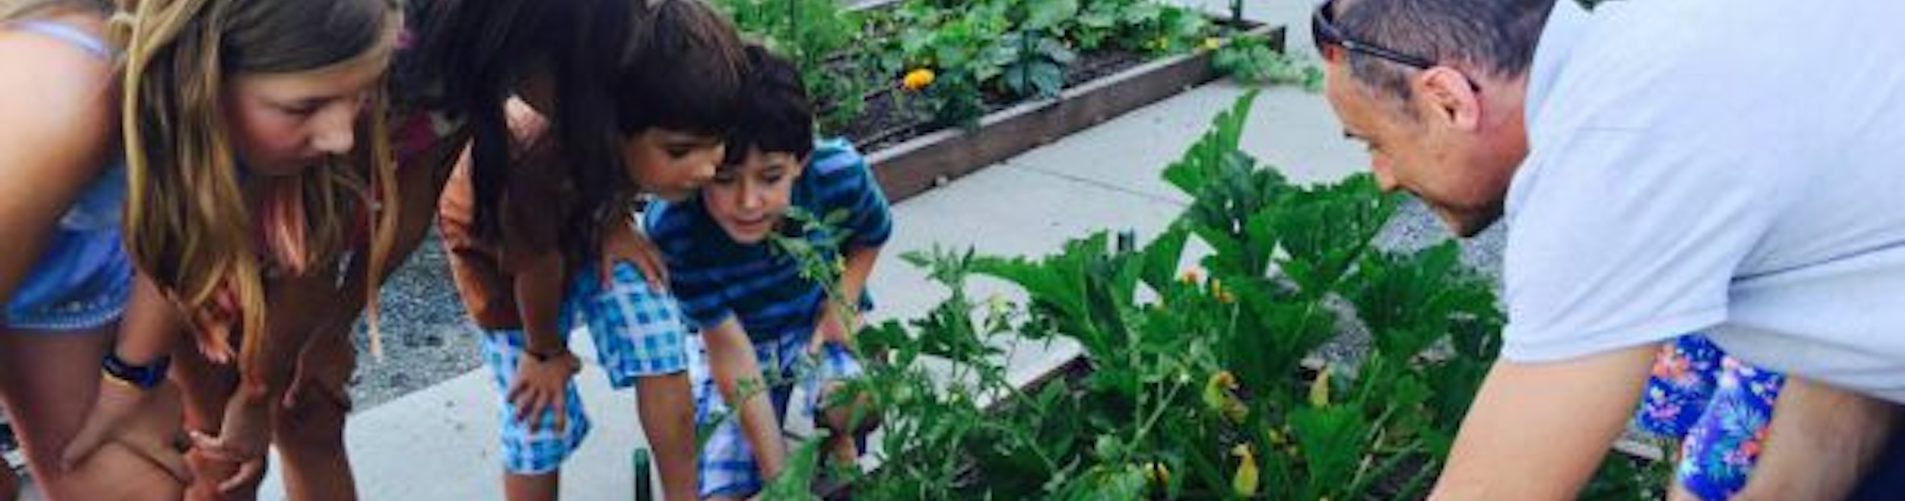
(1496, 37)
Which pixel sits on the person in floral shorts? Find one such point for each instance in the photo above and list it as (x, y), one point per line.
(1716, 406)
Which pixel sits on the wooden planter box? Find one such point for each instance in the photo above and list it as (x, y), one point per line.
(919, 164)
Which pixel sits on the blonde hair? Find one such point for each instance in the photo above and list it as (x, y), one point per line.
(188, 224)
(16, 9)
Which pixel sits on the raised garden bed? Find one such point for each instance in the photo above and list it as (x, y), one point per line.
(908, 167)
(932, 90)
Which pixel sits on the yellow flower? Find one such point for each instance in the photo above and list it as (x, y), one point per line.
(917, 79)
(1218, 397)
(1213, 43)
(1245, 483)
(1320, 389)
(1158, 473)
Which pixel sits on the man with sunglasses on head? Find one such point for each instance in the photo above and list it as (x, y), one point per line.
(1664, 167)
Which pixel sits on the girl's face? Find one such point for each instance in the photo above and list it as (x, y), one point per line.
(671, 164)
(283, 123)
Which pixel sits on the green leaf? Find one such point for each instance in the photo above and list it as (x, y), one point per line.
(1047, 78)
(797, 480)
(1331, 439)
(1161, 258)
(1107, 482)
(1043, 14)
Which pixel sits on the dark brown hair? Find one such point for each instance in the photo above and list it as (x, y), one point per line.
(619, 67)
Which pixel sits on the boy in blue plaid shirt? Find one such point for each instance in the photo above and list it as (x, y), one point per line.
(762, 323)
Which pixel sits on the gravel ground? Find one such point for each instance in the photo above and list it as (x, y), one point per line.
(426, 337)
(1414, 228)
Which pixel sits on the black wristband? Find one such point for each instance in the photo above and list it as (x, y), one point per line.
(544, 356)
(143, 377)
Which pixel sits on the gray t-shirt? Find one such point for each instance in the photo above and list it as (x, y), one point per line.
(1734, 166)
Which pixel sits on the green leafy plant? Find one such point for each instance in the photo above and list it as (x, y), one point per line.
(1174, 30)
(1196, 383)
(816, 35)
(1251, 60)
(1036, 54)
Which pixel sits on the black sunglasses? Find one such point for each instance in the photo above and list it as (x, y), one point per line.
(1324, 31)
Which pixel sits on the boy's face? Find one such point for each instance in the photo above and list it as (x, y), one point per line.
(671, 164)
(748, 199)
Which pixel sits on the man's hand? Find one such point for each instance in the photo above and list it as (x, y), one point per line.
(145, 421)
(541, 384)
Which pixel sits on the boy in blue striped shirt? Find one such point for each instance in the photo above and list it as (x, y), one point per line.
(759, 318)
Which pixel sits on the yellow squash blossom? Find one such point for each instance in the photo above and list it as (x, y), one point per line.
(1218, 291)
(1158, 473)
(1320, 389)
(1245, 483)
(1218, 397)
(917, 79)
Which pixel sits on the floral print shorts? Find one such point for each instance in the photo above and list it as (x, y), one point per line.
(1717, 406)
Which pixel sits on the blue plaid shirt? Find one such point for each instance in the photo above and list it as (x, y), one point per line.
(716, 278)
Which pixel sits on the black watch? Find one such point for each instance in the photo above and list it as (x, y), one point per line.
(145, 377)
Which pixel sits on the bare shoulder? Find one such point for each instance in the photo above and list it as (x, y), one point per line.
(57, 101)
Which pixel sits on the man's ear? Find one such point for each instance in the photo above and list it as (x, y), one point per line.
(1446, 95)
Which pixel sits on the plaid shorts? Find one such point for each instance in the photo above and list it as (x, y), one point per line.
(637, 331)
(727, 466)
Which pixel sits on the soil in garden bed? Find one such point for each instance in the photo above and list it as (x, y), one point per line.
(893, 116)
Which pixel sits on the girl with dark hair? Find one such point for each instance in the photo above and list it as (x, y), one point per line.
(575, 107)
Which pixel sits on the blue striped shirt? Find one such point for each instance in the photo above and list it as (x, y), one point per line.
(716, 278)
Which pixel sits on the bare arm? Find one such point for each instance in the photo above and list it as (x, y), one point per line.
(539, 288)
(1820, 443)
(853, 280)
(840, 317)
(1538, 431)
(731, 360)
(57, 126)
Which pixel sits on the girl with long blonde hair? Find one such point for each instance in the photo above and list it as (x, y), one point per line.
(259, 165)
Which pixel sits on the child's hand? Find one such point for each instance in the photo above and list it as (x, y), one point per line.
(833, 328)
(621, 243)
(243, 439)
(148, 422)
(541, 384)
